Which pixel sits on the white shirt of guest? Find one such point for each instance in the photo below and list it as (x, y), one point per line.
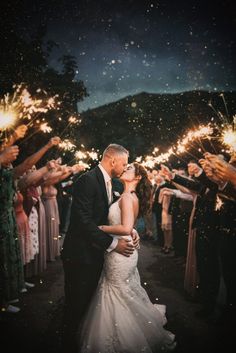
(107, 180)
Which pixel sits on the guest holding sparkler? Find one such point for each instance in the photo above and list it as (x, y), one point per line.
(49, 194)
(223, 174)
(205, 222)
(11, 269)
(19, 171)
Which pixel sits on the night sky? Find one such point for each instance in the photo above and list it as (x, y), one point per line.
(123, 47)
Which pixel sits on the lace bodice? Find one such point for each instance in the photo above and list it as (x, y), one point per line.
(114, 216)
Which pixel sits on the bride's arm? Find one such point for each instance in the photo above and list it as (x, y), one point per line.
(127, 218)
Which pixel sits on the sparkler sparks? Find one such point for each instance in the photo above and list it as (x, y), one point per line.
(203, 131)
(73, 120)
(83, 164)
(86, 155)
(93, 155)
(7, 119)
(229, 138)
(67, 145)
(22, 105)
(80, 155)
(45, 128)
(219, 203)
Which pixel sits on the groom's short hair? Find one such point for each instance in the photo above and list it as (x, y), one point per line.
(113, 148)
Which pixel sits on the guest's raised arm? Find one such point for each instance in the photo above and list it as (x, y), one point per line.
(178, 179)
(62, 173)
(34, 158)
(36, 177)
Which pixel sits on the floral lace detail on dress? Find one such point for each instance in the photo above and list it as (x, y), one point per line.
(121, 317)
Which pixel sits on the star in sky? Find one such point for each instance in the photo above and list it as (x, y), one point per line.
(124, 47)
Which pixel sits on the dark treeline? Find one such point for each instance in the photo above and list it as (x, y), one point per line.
(25, 59)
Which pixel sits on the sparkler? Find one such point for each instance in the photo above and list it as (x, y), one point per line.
(215, 111)
(219, 203)
(85, 156)
(80, 155)
(226, 109)
(71, 120)
(67, 145)
(21, 105)
(7, 113)
(219, 114)
(45, 128)
(83, 164)
(229, 138)
(93, 155)
(203, 131)
(7, 119)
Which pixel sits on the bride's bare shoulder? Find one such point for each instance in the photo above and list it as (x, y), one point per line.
(128, 197)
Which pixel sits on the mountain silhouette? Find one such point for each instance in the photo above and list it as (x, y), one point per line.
(147, 120)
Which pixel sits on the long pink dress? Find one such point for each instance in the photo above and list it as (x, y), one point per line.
(49, 198)
(23, 229)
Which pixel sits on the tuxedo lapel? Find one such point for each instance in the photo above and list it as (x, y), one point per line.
(101, 183)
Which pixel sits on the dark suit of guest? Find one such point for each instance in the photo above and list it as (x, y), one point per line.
(227, 218)
(205, 221)
(227, 246)
(180, 209)
(83, 249)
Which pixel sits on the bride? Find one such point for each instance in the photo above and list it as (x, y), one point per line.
(121, 317)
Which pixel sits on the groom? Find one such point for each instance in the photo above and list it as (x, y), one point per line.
(84, 245)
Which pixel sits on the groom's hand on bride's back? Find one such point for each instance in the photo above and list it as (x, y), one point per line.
(125, 247)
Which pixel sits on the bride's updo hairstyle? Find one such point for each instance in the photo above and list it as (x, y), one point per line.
(143, 190)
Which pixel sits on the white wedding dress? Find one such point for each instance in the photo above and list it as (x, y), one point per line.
(121, 317)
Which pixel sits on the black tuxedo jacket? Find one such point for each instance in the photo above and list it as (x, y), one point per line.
(205, 215)
(84, 241)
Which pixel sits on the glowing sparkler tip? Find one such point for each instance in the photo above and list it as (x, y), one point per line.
(45, 128)
(229, 138)
(7, 119)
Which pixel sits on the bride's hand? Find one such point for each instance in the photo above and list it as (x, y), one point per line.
(136, 238)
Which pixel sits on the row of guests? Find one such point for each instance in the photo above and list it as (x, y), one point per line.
(194, 214)
(167, 223)
(29, 222)
(211, 250)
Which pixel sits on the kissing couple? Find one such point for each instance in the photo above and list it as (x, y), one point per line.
(106, 308)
